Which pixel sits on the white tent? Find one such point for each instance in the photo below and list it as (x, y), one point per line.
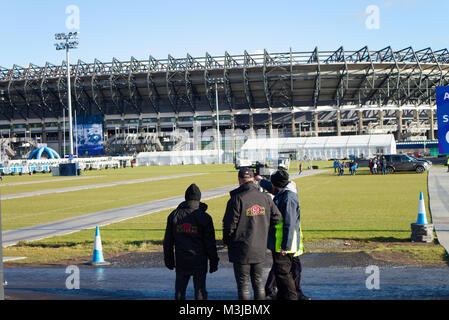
(319, 148)
(165, 158)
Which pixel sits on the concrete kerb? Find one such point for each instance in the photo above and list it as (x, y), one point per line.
(438, 209)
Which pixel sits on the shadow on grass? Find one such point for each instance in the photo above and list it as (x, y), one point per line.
(378, 239)
(141, 243)
(47, 245)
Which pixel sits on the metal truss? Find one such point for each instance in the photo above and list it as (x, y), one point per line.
(252, 82)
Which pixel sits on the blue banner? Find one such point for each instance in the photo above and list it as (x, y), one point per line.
(442, 94)
(89, 135)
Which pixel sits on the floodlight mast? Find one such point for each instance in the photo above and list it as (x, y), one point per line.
(68, 45)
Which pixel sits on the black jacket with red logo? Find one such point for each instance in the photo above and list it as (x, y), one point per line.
(249, 215)
(190, 233)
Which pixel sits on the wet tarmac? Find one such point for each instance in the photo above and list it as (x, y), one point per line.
(323, 278)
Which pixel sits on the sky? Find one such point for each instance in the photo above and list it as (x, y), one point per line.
(121, 29)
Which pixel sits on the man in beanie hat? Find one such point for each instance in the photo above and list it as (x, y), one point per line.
(249, 215)
(285, 239)
(189, 243)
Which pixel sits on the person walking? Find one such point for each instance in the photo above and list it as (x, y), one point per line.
(370, 165)
(248, 217)
(189, 243)
(375, 166)
(353, 168)
(300, 167)
(336, 165)
(296, 267)
(342, 168)
(384, 165)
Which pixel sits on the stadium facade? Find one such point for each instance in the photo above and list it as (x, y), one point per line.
(313, 93)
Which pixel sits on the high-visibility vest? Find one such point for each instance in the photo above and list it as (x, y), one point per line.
(279, 234)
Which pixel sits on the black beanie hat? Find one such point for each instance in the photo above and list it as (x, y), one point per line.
(193, 193)
(280, 178)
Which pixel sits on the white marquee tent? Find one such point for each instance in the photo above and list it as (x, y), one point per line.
(319, 148)
(165, 158)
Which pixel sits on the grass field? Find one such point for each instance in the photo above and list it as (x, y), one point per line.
(23, 212)
(368, 213)
(29, 211)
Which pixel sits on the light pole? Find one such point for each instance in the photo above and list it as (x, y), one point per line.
(218, 125)
(66, 45)
(217, 81)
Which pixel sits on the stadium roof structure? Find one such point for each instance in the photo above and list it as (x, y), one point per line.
(249, 83)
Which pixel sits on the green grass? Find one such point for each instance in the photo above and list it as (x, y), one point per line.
(29, 211)
(375, 211)
(103, 176)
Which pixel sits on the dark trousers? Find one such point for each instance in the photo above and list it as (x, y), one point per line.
(199, 282)
(243, 273)
(271, 286)
(286, 276)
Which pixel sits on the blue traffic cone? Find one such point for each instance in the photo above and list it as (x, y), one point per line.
(422, 217)
(97, 257)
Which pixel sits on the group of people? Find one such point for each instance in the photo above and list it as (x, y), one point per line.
(378, 165)
(339, 167)
(254, 221)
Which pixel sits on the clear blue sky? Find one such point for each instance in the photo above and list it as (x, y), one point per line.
(122, 29)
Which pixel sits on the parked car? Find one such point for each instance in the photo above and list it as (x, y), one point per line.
(403, 162)
(419, 159)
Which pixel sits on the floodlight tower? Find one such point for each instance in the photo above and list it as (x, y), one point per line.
(218, 140)
(66, 45)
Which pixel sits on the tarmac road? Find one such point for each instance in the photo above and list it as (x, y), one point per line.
(331, 283)
(142, 275)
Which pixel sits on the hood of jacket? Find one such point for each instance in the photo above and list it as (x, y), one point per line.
(291, 186)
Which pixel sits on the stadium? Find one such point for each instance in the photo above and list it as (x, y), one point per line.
(301, 94)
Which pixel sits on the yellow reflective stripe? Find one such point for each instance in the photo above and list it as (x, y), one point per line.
(279, 234)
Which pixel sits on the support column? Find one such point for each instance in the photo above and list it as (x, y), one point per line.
(431, 134)
(293, 125)
(270, 125)
(59, 138)
(360, 122)
(44, 133)
(233, 138)
(399, 124)
(381, 118)
(338, 123)
(415, 115)
(315, 120)
(251, 125)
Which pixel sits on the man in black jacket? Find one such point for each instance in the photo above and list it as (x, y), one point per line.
(249, 215)
(190, 230)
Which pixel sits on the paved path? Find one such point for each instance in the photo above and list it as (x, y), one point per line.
(438, 186)
(101, 218)
(43, 181)
(329, 283)
(93, 186)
